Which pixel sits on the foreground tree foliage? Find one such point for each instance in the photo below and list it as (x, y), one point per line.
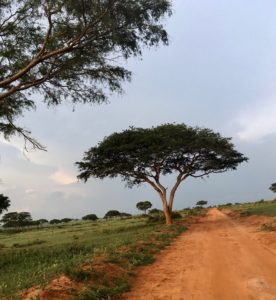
(69, 50)
(4, 203)
(141, 155)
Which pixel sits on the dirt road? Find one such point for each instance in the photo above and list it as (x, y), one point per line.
(217, 259)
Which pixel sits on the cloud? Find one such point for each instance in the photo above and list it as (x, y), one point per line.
(258, 122)
(63, 177)
(29, 191)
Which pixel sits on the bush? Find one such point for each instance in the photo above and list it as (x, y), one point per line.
(66, 220)
(268, 226)
(112, 214)
(176, 215)
(159, 217)
(125, 215)
(90, 217)
(55, 221)
(155, 211)
(245, 213)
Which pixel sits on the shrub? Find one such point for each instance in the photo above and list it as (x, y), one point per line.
(112, 214)
(90, 217)
(245, 213)
(55, 221)
(155, 211)
(268, 227)
(66, 220)
(158, 217)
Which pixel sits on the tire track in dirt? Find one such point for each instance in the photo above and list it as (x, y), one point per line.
(216, 259)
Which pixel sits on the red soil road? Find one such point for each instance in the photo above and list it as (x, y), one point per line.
(216, 259)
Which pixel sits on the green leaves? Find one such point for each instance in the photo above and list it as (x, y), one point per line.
(138, 154)
(144, 205)
(69, 50)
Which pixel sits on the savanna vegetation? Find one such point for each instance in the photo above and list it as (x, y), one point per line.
(260, 207)
(35, 256)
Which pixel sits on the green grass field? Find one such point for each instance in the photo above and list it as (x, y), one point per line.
(265, 208)
(35, 256)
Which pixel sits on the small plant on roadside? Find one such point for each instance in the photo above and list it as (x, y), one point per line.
(245, 213)
(268, 226)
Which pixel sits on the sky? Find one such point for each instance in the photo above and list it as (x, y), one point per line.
(219, 72)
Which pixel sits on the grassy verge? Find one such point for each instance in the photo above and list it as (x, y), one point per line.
(264, 208)
(34, 257)
(259, 208)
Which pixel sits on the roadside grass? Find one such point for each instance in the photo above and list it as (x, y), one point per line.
(259, 208)
(35, 257)
(264, 208)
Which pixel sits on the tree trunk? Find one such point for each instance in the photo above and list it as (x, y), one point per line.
(168, 217)
(167, 212)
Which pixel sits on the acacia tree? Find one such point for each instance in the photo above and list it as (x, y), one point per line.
(4, 203)
(15, 219)
(201, 203)
(141, 155)
(70, 50)
(144, 206)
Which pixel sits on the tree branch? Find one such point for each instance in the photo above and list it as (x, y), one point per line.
(35, 144)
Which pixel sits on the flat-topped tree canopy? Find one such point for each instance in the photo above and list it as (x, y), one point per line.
(141, 155)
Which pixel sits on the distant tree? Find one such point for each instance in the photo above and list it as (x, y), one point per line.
(201, 203)
(112, 214)
(66, 220)
(70, 51)
(55, 221)
(15, 219)
(42, 221)
(4, 203)
(144, 206)
(124, 214)
(90, 217)
(10, 220)
(24, 218)
(155, 211)
(141, 155)
(273, 187)
(35, 223)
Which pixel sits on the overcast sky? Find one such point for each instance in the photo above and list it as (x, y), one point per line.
(219, 71)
